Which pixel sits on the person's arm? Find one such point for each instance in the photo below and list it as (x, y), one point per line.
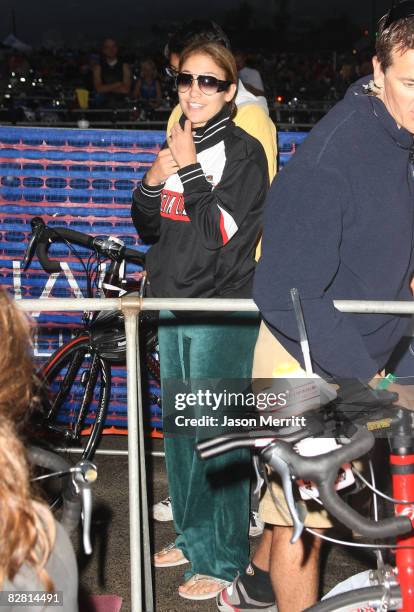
(146, 199)
(303, 232)
(145, 211)
(158, 95)
(125, 86)
(97, 82)
(98, 86)
(156, 101)
(137, 90)
(117, 87)
(217, 213)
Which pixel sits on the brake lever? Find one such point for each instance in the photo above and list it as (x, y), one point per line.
(84, 476)
(258, 472)
(111, 246)
(297, 513)
(38, 226)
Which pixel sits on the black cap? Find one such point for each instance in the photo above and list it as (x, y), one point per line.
(197, 30)
(399, 11)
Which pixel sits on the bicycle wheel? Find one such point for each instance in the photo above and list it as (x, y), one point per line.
(359, 600)
(77, 385)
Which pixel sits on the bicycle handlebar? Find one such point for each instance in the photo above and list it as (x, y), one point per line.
(322, 470)
(43, 236)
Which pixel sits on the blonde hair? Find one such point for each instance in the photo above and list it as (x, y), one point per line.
(27, 529)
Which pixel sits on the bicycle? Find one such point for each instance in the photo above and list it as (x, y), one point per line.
(352, 418)
(76, 379)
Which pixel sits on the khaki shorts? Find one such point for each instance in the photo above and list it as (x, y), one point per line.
(316, 517)
(267, 354)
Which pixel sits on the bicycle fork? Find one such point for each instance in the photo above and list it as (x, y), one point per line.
(402, 471)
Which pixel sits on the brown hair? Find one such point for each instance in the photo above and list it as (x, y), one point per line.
(219, 54)
(398, 37)
(16, 368)
(27, 529)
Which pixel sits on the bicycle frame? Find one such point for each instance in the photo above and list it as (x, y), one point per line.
(402, 470)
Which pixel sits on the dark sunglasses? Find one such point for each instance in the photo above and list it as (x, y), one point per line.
(171, 72)
(399, 11)
(207, 84)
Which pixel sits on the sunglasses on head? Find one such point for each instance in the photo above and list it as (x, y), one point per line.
(171, 72)
(207, 84)
(399, 11)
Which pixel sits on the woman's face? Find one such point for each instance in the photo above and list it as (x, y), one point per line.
(197, 106)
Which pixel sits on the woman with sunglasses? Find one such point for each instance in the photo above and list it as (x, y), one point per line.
(201, 204)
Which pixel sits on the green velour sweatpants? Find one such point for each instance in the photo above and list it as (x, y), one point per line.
(210, 499)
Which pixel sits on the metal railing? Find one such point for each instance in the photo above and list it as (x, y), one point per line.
(37, 109)
(141, 591)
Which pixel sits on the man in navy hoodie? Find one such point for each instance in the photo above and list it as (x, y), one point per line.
(338, 225)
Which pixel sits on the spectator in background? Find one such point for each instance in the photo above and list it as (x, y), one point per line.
(148, 86)
(250, 76)
(35, 551)
(111, 77)
(85, 69)
(347, 72)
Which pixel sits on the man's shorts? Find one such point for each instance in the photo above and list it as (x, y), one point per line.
(268, 352)
(316, 517)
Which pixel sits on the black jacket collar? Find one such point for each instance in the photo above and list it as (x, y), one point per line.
(213, 131)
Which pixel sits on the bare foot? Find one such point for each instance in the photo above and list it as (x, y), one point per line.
(170, 556)
(202, 587)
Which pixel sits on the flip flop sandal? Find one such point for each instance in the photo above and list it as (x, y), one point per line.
(164, 553)
(221, 584)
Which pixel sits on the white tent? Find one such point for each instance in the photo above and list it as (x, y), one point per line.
(15, 43)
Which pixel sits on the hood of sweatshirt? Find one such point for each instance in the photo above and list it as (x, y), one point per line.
(244, 97)
(357, 95)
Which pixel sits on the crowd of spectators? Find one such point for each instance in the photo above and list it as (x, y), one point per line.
(72, 78)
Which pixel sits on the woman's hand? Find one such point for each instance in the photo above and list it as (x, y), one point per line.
(163, 167)
(181, 145)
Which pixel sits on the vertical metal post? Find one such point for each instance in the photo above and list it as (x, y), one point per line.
(146, 549)
(133, 460)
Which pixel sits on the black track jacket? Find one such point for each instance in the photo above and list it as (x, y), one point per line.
(206, 219)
